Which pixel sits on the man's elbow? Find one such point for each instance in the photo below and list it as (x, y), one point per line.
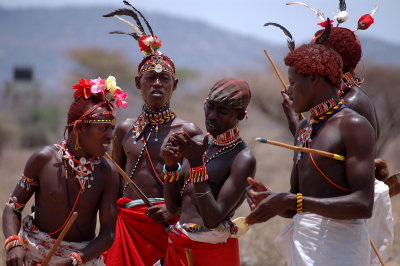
(366, 210)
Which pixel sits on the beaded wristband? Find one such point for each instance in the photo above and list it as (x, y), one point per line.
(12, 241)
(198, 174)
(171, 176)
(76, 259)
(299, 205)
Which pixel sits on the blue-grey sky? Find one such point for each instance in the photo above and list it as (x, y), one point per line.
(248, 16)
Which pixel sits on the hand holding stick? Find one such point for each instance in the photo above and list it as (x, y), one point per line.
(60, 238)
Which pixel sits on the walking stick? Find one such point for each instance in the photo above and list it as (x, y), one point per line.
(189, 257)
(60, 238)
(302, 149)
(279, 75)
(376, 251)
(135, 188)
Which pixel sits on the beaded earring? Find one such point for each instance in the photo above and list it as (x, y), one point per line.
(77, 146)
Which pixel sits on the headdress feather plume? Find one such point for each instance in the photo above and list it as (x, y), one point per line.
(290, 41)
(141, 15)
(325, 35)
(316, 11)
(342, 5)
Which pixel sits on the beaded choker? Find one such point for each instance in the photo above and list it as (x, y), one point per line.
(83, 167)
(319, 113)
(228, 137)
(347, 82)
(156, 119)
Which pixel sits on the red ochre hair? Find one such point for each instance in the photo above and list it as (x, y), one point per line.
(316, 59)
(345, 43)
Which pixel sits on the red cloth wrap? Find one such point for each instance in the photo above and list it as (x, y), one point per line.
(203, 253)
(138, 239)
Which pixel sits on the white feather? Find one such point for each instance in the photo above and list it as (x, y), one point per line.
(317, 12)
(139, 32)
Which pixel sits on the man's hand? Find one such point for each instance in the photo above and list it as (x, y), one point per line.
(381, 169)
(171, 156)
(190, 149)
(292, 117)
(255, 192)
(16, 257)
(271, 205)
(159, 213)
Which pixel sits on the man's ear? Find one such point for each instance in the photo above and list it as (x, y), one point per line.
(175, 84)
(137, 82)
(241, 114)
(315, 79)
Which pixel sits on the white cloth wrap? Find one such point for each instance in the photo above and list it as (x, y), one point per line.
(380, 225)
(39, 244)
(323, 241)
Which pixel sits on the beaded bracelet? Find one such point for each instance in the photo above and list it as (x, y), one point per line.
(171, 176)
(12, 242)
(13, 203)
(299, 204)
(198, 174)
(76, 259)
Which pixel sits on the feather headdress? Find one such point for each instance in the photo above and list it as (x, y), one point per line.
(148, 43)
(290, 42)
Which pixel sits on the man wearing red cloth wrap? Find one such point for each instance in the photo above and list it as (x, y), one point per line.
(215, 188)
(140, 237)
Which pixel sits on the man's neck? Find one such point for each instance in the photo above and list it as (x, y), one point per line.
(147, 109)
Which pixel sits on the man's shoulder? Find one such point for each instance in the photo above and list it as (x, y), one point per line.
(187, 126)
(123, 127)
(44, 154)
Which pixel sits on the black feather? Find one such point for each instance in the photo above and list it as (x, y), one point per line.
(145, 20)
(133, 34)
(342, 5)
(325, 35)
(127, 12)
(290, 42)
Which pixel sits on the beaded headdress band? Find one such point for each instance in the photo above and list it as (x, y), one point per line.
(104, 89)
(148, 43)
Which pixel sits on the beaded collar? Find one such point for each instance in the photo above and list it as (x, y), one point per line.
(228, 137)
(156, 119)
(319, 113)
(347, 82)
(83, 167)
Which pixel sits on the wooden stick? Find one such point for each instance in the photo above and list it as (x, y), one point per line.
(135, 188)
(279, 75)
(60, 238)
(376, 251)
(393, 182)
(302, 149)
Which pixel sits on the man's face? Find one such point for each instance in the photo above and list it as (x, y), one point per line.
(157, 88)
(95, 137)
(219, 117)
(300, 90)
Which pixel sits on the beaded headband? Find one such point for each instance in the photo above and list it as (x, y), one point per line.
(148, 43)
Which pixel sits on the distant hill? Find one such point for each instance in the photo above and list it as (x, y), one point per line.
(40, 37)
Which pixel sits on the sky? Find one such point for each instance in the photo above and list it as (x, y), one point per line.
(247, 17)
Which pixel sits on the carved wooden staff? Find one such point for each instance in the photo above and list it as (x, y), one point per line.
(60, 238)
(279, 74)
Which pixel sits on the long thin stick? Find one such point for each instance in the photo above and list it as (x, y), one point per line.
(302, 149)
(60, 238)
(189, 257)
(279, 74)
(376, 251)
(135, 188)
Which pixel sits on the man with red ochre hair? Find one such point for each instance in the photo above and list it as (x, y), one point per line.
(345, 42)
(67, 177)
(329, 200)
(141, 237)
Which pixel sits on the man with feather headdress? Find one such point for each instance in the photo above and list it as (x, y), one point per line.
(141, 237)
